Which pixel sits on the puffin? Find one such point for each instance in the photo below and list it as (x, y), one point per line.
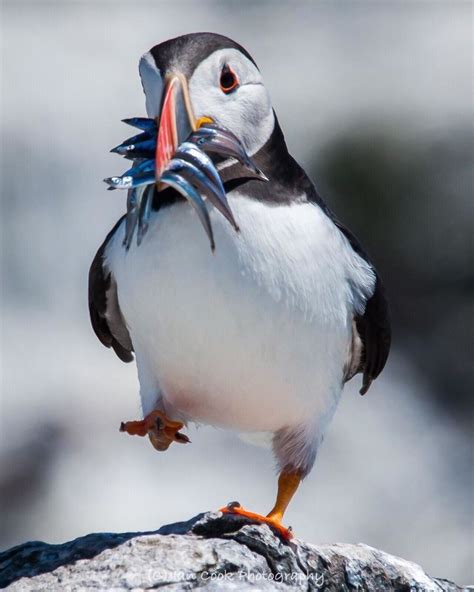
(256, 324)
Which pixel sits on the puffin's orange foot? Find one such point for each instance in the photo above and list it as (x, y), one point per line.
(161, 430)
(272, 521)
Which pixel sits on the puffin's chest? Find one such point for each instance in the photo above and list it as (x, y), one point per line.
(259, 327)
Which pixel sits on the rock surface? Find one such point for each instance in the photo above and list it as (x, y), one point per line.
(209, 551)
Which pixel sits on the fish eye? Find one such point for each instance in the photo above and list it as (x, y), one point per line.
(228, 81)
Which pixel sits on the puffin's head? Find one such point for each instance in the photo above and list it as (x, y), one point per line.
(205, 77)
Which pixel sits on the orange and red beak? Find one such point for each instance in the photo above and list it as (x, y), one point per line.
(176, 120)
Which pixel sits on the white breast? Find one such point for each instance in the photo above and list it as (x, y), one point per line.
(252, 337)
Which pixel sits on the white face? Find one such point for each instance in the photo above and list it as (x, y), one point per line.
(245, 110)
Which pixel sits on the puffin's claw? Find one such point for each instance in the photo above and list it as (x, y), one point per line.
(233, 505)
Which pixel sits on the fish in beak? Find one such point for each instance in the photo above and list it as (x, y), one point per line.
(173, 150)
(176, 121)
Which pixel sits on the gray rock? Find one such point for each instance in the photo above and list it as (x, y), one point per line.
(211, 551)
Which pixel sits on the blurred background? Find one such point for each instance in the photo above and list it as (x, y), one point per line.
(375, 100)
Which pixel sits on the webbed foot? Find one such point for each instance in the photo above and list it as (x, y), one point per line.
(273, 522)
(161, 430)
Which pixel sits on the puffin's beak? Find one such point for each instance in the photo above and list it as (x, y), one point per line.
(173, 151)
(176, 120)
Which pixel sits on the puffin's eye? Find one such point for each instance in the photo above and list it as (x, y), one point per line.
(228, 80)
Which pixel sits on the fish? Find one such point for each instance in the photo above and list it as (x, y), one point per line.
(187, 190)
(129, 181)
(224, 143)
(144, 166)
(214, 192)
(143, 123)
(121, 148)
(191, 172)
(131, 219)
(189, 151)
(145, 149)
(145, 212)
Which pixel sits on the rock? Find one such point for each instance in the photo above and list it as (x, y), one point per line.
(211, 551)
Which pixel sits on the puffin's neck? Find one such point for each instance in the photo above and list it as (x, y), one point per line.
(276, 161)
(287, 181)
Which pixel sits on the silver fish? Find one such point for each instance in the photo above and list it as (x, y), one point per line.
(225, 144)
(214, 192)
(144, 136)
(132, 199)
(145, 149)
(145, 212)
(191, 172)
(143, 123)
(141, 167)
(133, 203)
(191, 194)
(130, 225)
(131, 209)
(127, 181)
(189, 151)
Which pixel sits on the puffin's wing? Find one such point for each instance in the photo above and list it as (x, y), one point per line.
(371, 331)
(375, 332)
(105, 314)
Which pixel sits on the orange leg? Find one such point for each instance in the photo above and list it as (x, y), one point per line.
(160, 430)
(287, 485)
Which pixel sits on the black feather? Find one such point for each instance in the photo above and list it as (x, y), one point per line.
(105, 315)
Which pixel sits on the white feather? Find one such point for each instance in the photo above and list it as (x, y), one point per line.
(152, 83)
(253, 337)
(247, 111)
